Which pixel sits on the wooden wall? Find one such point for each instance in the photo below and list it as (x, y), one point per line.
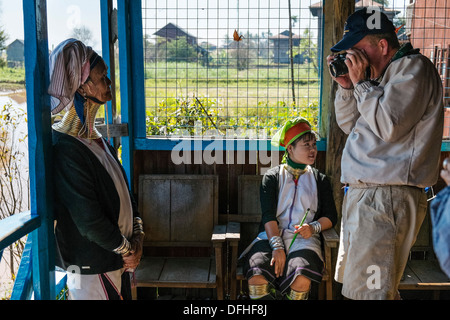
(159, 162)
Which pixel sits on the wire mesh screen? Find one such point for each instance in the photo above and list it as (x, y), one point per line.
(243, 66)
(234, 68)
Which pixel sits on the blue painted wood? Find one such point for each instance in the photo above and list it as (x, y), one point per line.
(23, 283)
(106, 37)
(169, 144)
(129, 20)
(137, 69)
(105, 19)
(17, 226)
(39, 141)
(237, 145)
(125, 84)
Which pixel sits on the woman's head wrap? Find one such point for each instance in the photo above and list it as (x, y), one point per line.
(70, 65)
(291, 130)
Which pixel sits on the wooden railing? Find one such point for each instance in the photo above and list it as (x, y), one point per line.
(12, 229)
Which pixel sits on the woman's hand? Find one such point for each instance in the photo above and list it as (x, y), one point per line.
(278, 261)
(131, 260)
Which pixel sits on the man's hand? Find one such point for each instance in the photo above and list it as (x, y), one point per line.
(357, 63)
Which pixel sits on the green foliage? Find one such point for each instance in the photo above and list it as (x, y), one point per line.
(180, 50)
(182, 115)
(12, 75)
(307, 48)
(3, 38)
(182, 97)
(199, 116)
(14, 178)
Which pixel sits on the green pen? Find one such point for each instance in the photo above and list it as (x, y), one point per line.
(301, 223)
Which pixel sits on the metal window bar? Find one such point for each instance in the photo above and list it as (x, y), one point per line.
(199, 78)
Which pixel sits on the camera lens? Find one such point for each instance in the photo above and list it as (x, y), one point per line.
(338, 66)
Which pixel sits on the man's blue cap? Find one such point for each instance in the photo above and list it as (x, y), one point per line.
(362, 23)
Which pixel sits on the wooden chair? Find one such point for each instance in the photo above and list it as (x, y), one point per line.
(244, 228)
(181, 211)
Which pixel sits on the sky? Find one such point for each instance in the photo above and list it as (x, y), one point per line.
(208, 20)
(62, 17)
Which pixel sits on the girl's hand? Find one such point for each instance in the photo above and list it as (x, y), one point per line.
(278, 261)
(305, 230)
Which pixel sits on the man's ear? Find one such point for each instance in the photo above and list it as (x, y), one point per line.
(384, 46)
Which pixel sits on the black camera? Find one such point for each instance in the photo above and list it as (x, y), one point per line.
(338, 66)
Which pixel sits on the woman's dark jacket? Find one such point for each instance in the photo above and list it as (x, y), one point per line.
(86, 208)
(269, 197)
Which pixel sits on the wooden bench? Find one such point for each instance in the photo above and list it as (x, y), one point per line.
(180, 213)
(244, 228)
(422, 271)
(424, 275)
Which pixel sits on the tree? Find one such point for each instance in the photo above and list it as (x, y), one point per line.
(3, 38)
(84, 34)
(180, 50)
(14, 178)
(3, 35)
(307, 48)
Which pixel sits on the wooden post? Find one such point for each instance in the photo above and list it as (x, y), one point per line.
(335, 14)
(39, 145)
(132, 91)
(108, 39)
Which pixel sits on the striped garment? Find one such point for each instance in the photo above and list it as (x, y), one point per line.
(69, 68)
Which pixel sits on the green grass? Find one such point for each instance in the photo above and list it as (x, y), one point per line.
(12, 75)
(171, 71)
(255, 98)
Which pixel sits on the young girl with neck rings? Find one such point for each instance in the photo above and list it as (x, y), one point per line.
(286, 256)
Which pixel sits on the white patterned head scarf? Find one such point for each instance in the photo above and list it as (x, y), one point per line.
(69, 68)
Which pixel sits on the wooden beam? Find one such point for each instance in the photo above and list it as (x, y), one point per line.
(108, 16)
(17, 226)
(132, 91)
(39, 144)
(335, 14)
(22, 284)
(113, 130)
